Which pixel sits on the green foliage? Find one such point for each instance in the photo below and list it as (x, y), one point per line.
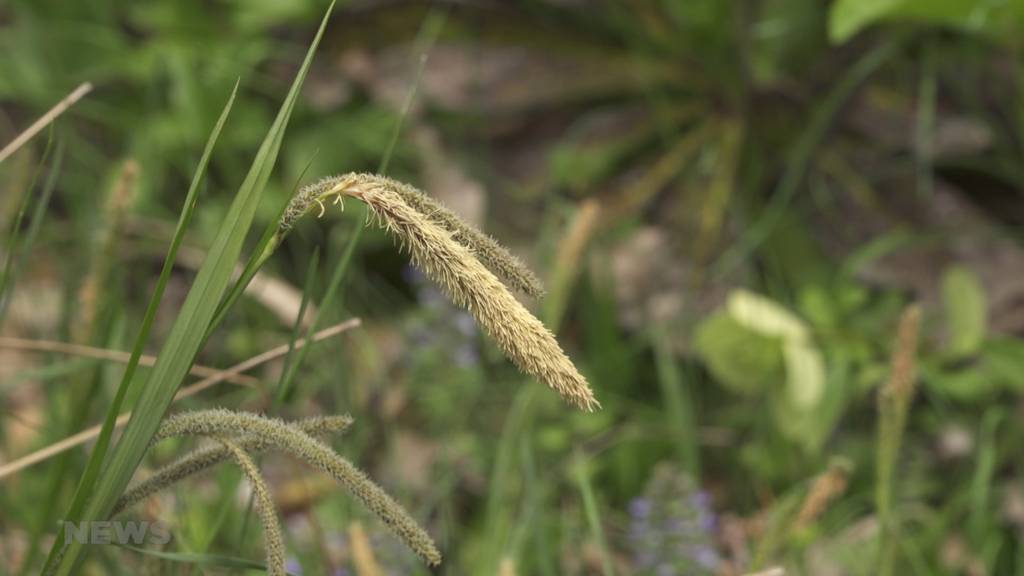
(999, 19)
(745, 361)
(189, 330)
(816, 153)
(965, 310)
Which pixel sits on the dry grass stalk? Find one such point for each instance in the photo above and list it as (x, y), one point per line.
(293, 440)
(571, 251)
(273, 541)
(121, 357)
(453, 266)
(362, 553)
(203, 459)
(44, 120)
(88, 434)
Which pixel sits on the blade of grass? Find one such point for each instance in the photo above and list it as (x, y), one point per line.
(266, 246)
(193, 323)
(12, 237)
(924, 125)
(202, 560)
(197, 313)
(679, 410)
(582, 474)
(273, 236)
(95, 462)
(980, 519)
(803, 152)
(35, 223)
(283, 384)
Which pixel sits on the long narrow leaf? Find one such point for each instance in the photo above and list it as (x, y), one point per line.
(191, 327)
(11, 246)
(87, 484)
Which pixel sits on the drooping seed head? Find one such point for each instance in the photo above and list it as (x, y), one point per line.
(293, 440)
(487, 249)
(203, 459)
(434, 249)
(273, 541)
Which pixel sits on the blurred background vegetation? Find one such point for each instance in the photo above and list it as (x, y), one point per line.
(730, 202)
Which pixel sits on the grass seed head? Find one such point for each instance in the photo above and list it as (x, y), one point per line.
(273, 541)
(454, 266)
(293, 440)
(203, 459)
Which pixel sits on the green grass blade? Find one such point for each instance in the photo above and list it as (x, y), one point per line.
(593, 515)
(35, 223)
(268, 243)
(87, 483)
(203, 560)
(679, 410)
(191, 327)
(284, 385)
(12, 238)
(803, 153)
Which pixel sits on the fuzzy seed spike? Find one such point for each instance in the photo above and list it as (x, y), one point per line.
(273, 541)
(203, 459)
(293, 440)
(454, 267)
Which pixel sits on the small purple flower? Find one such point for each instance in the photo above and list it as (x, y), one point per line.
(640, 508)
(671, 529)
(292, 566)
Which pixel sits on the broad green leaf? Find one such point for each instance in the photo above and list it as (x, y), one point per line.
(740, 359)
(998, 367)
(848, 17)
(1003, 359)
(963, 385)
(992, 17)
(805, 368)
(801, 359)
(965, 308)
(765, 316)
(805, 374)
(810, 427)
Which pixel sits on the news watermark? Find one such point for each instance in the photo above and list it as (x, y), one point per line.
(116, 532)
